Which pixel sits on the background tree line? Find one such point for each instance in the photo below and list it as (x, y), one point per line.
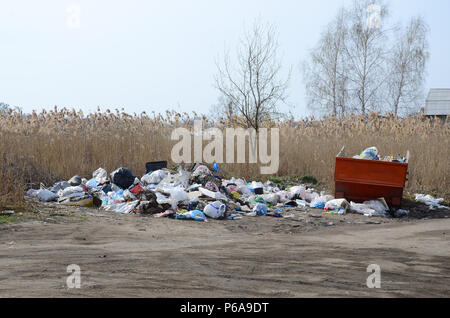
(359, 65)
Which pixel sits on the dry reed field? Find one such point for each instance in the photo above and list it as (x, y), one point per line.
(52, 146)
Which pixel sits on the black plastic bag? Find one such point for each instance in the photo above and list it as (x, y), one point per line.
(123, 178)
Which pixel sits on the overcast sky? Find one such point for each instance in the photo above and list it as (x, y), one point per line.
(160, 54)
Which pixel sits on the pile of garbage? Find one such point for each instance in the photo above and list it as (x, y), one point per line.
(194, 194)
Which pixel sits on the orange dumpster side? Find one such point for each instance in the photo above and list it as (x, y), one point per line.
(360, 180)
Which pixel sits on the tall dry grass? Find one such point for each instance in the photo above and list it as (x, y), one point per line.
(55, 145)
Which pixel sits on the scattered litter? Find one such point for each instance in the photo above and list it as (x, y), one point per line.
(379, 205)
(371, 208)
(163, 214)
(60, 186)
(125, 207)
(340, 206)
(75, 181)
(260, 209)
(301, 203)
(430, 201)
(97, 215)
(401, 213)
(46, 195)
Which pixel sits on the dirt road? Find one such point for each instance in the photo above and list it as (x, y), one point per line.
(308, 255)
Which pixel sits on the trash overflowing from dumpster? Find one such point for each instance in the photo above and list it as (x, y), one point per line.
(372, 154)
(199, 192)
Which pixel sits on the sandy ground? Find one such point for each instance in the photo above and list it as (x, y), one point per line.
(309, 255)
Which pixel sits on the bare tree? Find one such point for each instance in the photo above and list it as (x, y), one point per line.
(253, 86)
(407, 61)
(366, 55)
(325, 73)
(356, 68)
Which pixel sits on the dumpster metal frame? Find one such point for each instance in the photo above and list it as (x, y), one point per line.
(360, 180)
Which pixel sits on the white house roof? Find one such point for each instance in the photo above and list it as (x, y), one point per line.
(438, 102)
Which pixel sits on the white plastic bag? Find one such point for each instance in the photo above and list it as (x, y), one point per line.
(212, 194)
(100, 175)
(215, 210)
(362, 209)
(370, 208)
(430, 201)
(174, 180)
(301, 203)
(155, 177)
(257, 185)
(178, 194)
(245, 190)
(272, 198)
(309, 196)
(128, 196)
(299, 191)
(162, 199)
(323, 198)
(379, 206)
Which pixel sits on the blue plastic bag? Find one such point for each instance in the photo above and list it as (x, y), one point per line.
(318, 205)
(194, 215)
(216, 167)
(91, 183)
(260, 209)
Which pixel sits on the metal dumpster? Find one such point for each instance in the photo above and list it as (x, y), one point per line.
(157, 165)
(360, 180)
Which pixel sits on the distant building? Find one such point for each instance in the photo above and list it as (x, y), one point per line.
(438, 103)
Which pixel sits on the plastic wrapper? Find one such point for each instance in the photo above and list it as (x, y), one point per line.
(195, 215)
(125, 207)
